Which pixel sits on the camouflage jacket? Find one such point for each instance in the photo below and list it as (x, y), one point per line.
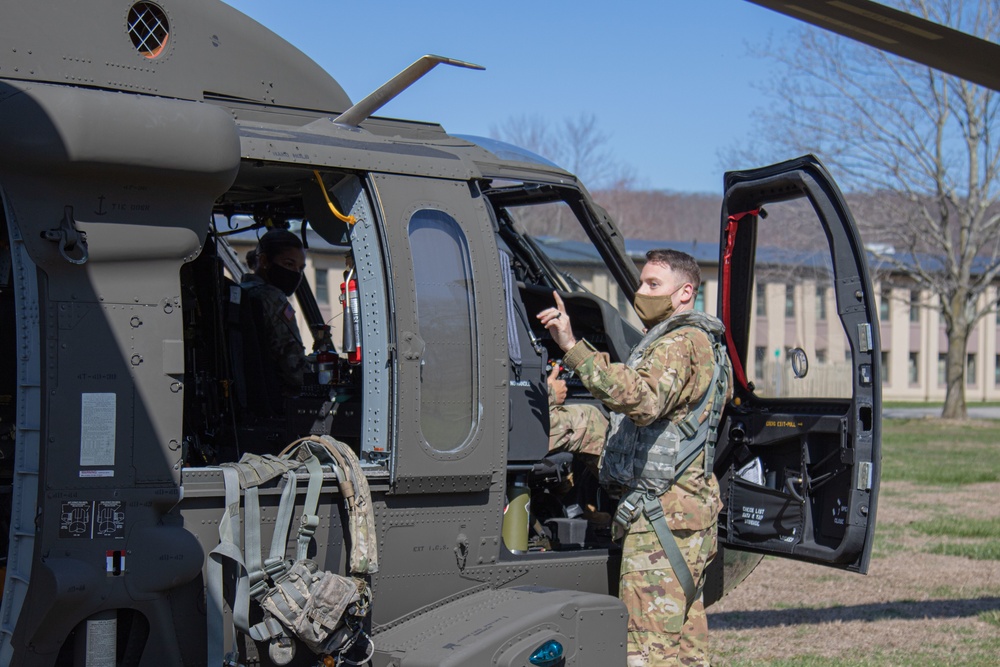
(280, 338)
(668, 381)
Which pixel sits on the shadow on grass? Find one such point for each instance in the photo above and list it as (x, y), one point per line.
(903, 609)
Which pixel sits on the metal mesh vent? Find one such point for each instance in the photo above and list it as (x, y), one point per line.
(148, 29)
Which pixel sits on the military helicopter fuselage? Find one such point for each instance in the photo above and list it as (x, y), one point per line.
(137, 141)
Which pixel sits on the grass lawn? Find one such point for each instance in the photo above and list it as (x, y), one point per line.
(928, 451)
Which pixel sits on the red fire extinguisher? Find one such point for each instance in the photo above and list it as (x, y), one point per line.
(352, 318)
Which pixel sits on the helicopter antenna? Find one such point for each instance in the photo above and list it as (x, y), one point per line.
(358, 113)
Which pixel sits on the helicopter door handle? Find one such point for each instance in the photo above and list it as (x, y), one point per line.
(792, 491)
(69, 238)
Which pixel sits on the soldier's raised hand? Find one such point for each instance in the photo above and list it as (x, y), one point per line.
(556, 320)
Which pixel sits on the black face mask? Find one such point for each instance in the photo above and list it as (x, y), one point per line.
(284, 279)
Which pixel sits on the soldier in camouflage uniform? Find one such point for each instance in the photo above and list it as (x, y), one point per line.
(280, 260)
(672, 377)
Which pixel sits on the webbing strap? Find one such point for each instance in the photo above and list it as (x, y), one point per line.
(275, 563)
(229, 530)
(251, 543)
(310, 520)
(654, 513)
(727, 275)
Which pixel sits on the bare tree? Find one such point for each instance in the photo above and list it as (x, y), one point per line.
(922, 140)
(577, 145)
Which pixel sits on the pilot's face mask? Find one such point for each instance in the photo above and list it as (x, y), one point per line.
(284, 279)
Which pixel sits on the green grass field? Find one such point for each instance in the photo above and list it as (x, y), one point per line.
(928, 451)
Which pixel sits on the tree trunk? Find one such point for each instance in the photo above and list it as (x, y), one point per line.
(954, 400)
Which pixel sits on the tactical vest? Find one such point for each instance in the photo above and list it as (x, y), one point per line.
(650, 458)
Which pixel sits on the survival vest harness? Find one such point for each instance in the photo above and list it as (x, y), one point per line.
(323, 610)
(644, 462)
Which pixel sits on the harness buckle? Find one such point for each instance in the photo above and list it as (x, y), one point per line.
(625, 515)
(653, 508)
(309, 524)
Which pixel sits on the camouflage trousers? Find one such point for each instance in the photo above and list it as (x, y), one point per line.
(578, 428)
(660, 630)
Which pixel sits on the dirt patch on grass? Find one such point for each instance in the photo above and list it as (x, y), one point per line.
(910, 598)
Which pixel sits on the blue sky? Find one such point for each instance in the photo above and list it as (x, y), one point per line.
(670, 82)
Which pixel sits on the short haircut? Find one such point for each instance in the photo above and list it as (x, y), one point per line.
(276, 241)
(681, 262)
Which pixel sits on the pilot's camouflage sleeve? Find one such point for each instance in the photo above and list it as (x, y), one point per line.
(578, 428)
(672, 376)
(281, 337)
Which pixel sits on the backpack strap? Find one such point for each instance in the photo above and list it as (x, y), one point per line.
(275, 565)
(310, 519)
(227, 549)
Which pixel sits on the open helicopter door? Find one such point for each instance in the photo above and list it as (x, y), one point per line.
(798, 457)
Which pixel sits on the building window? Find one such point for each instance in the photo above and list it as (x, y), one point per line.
(446, 316)
(699, 301)
(942, 369)
(322, 288)
(970, 370)
(821, 303)
(996, 371)
(789, 301)
(915, 306)
(820, 356)
(759, 356)
(761, 300)
(885, 367)
(913, 368)
(883, 306)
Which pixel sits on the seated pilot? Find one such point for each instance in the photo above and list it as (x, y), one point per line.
(278, 264)
(577, 428)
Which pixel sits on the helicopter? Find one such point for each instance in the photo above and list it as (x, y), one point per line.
(140, 141)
